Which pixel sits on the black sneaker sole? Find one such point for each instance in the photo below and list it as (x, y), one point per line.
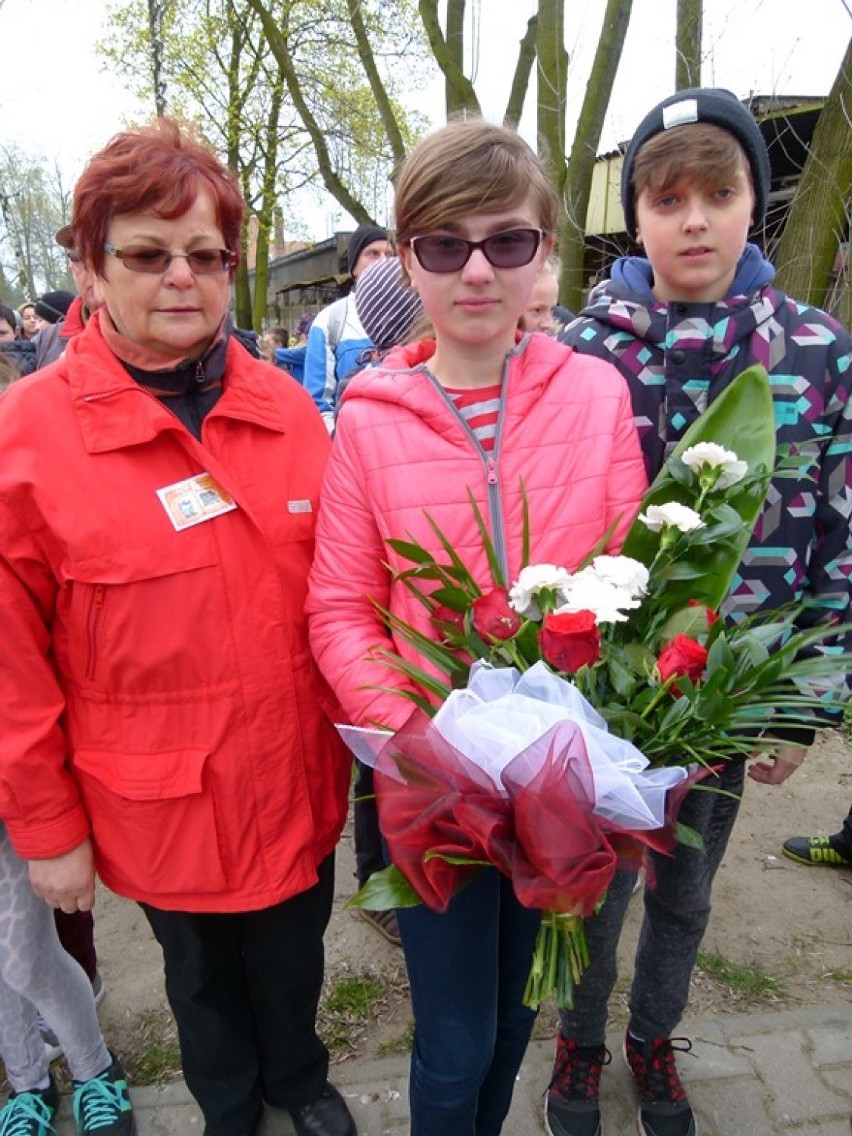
(550, 1132)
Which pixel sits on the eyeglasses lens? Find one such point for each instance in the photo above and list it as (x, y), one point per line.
(202, 262)
(512, 249)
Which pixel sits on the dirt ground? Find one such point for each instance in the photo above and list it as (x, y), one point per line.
(780, 921)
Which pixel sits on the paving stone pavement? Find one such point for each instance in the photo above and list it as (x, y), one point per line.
(771, 1074)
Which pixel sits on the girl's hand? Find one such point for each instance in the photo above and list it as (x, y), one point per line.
(68, 881)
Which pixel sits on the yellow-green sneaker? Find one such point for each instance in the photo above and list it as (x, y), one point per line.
(818, 851)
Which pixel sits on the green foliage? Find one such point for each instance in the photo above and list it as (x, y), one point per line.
(34, 203)
(354, 995)
(746, 979)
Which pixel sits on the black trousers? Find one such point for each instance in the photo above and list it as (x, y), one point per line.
(369, 850)
(244, 990)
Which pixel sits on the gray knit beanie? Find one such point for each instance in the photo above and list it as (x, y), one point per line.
(700, 104)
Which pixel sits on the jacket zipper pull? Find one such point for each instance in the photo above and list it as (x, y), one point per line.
(199, 372)
(492, 472)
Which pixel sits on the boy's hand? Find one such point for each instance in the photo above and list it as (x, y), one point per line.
(774, 768)
(66, 882)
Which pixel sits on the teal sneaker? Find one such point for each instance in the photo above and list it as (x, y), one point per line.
(102, 1105)
(817, 851)
(30, 1114)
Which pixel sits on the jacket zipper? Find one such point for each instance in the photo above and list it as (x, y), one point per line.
(96, 606)
(490, 464)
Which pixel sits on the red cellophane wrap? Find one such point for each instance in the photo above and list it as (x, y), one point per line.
(435, 803)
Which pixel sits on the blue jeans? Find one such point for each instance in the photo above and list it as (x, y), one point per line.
(468, 969)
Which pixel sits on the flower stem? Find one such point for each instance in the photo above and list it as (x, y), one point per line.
(559, 960)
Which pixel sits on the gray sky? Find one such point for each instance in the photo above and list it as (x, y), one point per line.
(56, 99)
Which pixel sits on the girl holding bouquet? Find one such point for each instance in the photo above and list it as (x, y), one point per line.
(485, 412)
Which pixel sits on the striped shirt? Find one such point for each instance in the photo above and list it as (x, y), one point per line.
(480, 409)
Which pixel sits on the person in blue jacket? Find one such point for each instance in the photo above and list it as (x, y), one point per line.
(337, 338)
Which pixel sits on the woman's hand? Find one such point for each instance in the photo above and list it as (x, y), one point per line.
(777, 765)
(66, 882)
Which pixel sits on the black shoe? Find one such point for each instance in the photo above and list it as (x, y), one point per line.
(32, 1113)
(571, 1108)
(327, 1116)
(102, 1105)
(822, 851)
(663, 1107)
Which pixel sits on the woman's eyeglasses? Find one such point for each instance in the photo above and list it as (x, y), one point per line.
(442, 253)
(142, 258)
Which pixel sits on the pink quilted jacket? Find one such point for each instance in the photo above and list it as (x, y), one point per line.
(566, 432)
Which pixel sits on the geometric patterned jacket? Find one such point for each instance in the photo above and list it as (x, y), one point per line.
(677, 357)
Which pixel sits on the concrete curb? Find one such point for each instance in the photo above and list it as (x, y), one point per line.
(769, 1074)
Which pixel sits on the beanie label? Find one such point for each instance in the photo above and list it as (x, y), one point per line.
(678, 114)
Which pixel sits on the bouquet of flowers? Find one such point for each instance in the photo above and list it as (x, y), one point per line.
(557, 714)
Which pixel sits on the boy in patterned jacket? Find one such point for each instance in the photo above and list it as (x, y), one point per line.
(680, 323)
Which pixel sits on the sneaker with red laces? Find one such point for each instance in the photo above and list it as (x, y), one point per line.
(663, 1107)
(572, 1108)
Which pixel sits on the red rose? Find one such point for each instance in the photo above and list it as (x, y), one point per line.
(455, 619)
(493, 618)
(683, 656)
(570, 640)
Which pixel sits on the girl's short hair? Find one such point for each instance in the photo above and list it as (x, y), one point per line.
(698, 152)
(469, 166)
(160, 168)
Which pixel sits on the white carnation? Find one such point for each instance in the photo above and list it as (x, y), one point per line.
(624, 572)
(671, 515)
(606, 600)
(715, 457)
(534, 579)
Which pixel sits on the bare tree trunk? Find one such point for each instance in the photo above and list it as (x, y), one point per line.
(581, 164)
(819, 216)
(156, 20)
(26, 276)
(523, 70)
(552, 89)
(267, 207)
(368, 62)
(449, 54)
(278, 45)
(690, 16)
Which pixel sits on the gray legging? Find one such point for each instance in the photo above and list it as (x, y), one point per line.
(677, 911)
(36, 972)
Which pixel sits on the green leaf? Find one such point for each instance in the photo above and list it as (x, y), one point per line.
(689, 837)
(384, 890)
(742, 420)
(453, 598)
(412, 551)
(622, 679)
(461, 568)
(639, 658)
(487, 543)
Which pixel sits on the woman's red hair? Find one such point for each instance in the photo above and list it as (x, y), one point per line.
(160, 168)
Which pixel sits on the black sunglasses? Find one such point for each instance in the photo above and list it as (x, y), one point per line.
(511, 249)
(144, 258)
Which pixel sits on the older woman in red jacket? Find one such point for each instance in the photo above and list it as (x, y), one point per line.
(161, 718)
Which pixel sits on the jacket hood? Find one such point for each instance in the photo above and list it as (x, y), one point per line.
(625, 303)
(753, 272)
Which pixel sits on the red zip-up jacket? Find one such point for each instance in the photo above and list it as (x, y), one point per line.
(158, 692)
